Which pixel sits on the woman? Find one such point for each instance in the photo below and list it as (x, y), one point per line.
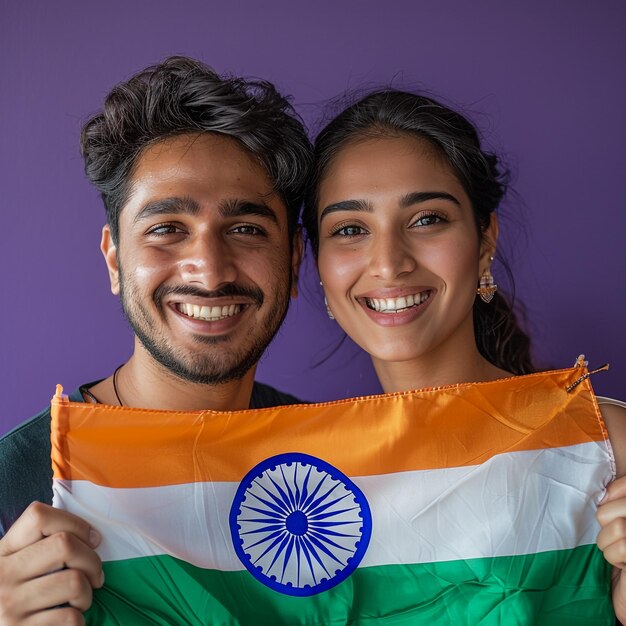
(401, 217)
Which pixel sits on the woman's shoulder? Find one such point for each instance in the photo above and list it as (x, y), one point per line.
(614, 416)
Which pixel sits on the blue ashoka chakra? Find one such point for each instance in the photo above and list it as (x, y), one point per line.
(299, 525)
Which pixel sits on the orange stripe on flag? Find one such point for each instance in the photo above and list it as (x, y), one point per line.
(450, 426)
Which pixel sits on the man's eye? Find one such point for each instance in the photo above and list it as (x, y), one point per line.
(248, 229)
(163, 229)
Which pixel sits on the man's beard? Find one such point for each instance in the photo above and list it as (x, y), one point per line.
(219, 364)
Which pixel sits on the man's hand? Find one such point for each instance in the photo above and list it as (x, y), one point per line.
(612, 540)
(48, 568)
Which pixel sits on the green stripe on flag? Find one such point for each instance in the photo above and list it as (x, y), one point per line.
(550, 588)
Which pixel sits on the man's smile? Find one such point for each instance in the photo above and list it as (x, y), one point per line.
(209, 313)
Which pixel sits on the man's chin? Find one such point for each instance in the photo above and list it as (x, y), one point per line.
(206, 370)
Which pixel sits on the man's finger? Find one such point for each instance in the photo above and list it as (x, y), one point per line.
(616, 489)
(615, 553)
(39, 521)
(59, 551)
(54, 617)
(611, 532)
(69, 586)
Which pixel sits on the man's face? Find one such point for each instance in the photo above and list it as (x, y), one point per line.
(203, 264)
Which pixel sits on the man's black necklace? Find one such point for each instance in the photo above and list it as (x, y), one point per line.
(117, 393)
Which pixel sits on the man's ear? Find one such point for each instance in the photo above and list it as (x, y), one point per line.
(109, 251)
(488, 244)
(296, 259)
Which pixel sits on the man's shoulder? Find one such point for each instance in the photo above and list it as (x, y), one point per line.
(264, 396)
(25, 468)
(21, 438)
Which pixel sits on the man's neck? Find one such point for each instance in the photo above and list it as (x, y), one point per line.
(144, 383)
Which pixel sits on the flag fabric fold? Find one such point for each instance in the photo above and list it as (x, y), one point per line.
(468, 504)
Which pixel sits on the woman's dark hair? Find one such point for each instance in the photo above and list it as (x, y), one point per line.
(395, 113)
(180, 96)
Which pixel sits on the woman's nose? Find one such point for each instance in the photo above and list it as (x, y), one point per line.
(391, 256)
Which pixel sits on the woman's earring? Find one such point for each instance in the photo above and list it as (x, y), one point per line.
(487, 287)
(330, 313)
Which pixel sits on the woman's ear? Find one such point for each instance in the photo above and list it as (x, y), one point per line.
(488, 243)
(109, 251)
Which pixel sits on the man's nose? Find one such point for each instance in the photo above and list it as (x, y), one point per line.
(208, 261)
(391, 256)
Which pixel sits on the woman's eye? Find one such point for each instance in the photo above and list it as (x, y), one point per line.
(428, 220)
(349, 230)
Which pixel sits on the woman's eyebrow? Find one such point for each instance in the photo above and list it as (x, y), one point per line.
(416, 197)
(346, 205)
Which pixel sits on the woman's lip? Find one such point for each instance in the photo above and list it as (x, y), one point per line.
(394, 292)
(399, 318)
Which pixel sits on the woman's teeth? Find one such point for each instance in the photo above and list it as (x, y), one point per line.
(394, 305)
(209, 313)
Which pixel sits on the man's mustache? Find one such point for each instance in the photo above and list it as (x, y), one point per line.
(229, 290)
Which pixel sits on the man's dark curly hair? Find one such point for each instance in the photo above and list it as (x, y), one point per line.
(181, 95)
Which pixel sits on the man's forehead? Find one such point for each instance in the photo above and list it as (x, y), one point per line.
(201, 167)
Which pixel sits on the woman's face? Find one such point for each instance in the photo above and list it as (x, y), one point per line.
(399, 251)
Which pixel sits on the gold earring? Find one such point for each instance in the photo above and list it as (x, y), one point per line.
(487, 287)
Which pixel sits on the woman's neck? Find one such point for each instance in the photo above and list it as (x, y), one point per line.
(436, 370)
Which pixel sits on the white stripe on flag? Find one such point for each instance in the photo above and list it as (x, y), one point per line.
(516, 503)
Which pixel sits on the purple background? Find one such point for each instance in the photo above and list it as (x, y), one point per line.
(543, 80)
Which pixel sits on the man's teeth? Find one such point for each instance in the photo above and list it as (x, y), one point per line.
(393, 305)
(209, 313)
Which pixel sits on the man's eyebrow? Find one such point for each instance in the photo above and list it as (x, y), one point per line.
(243, 208)
(167, 205)
(346, 205)
(417, 197)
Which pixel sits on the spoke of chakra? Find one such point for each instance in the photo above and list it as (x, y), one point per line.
(306, 503)
(292, 498)
(323, 548)
(318, 518)
(283, 495)
(332, 532)
(282, 538)
(305, 488)
(317, 538)
(273, 514)
(312, 505)
(327, 505)
(279, 551)
(279, 507)
(305, 551)
(275, 535)
(287, 555)
(313, 552)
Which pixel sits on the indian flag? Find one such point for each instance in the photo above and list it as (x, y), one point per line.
(468, 504)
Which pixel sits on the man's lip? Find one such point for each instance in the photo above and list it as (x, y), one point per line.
(220, 301)
(223, 322)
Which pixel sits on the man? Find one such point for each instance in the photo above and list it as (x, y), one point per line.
(202, 178)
